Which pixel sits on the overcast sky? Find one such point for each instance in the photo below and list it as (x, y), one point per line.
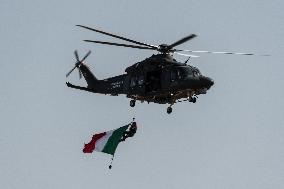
(231, 138)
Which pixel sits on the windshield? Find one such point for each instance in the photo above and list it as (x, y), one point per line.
(196, 73)
(185, 72)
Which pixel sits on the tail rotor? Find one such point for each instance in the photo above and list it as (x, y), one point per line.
(78, 63)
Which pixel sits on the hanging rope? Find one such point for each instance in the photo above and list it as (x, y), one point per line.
(110, 165)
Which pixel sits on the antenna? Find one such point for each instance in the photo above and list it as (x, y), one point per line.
(187, 60)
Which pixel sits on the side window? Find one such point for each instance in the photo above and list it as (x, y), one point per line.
(178, 74)
(133, 81)
(141, 80)
(173, 75)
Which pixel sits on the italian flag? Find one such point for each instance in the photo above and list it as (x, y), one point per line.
(106, 142)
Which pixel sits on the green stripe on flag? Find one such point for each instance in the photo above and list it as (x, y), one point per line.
(114, 140)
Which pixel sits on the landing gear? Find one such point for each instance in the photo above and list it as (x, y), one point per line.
(169, 110)
(132, 103)
(192, 99)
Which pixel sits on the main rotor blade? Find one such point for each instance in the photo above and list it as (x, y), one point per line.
(188, 55)
(213, 52)
(76, 55)
(183, 40)
(86, 56)
(116, 36)
(120, 44)
(70, 71)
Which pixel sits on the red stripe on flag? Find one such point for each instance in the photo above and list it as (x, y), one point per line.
(89, 148)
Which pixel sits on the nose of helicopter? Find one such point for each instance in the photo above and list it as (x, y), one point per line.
(207, 81)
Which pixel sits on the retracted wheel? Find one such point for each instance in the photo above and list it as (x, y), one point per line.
(169, 110)
(132, 103)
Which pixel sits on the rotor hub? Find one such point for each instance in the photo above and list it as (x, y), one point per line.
(77, 64)
(164, 48)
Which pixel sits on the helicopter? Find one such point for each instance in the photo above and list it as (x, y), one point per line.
(159, 78)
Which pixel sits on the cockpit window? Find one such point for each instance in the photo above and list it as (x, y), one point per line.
(195, 73)
(185, 72)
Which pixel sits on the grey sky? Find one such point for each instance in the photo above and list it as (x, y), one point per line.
(231, 138)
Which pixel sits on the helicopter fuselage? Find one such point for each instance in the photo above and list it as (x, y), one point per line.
(160, 82)
(159, 78)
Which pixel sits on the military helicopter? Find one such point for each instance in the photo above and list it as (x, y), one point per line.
(159, 79)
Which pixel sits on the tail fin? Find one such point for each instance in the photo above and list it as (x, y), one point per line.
(88, 75)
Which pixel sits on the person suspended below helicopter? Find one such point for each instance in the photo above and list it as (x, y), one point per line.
(108, 141)
(129, 133)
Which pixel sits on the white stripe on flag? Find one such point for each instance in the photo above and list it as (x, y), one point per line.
(100, 144)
